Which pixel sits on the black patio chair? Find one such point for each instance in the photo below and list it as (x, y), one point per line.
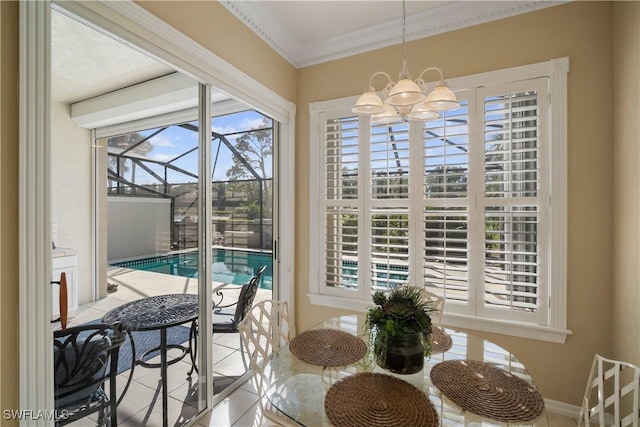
(227, 317)
(85, 357)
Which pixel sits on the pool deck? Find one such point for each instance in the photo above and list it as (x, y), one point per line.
(142, 402)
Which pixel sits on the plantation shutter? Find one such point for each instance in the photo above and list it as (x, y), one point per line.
(341, 152)
(388, 205)
(445, 188)
(514, 139)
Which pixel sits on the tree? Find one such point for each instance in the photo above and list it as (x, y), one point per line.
(120, 165)
(256, 149)
(122, 142)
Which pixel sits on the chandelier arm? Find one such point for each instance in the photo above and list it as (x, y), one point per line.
(379, 73)
(429, 69)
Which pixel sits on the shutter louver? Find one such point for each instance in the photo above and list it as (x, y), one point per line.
(446, 154)
(390, 161)
(341, 194)
(511, 273)
(445, 216)
(389, 248)
(341, 153)
(446, 255)
(511, 258)
(341, 247)
(511, 145)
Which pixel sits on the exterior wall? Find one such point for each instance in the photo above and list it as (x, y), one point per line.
(583, 31)
(626, 249)
(71, 195)
(138, 227)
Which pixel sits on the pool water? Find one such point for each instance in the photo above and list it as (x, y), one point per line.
(229, 266)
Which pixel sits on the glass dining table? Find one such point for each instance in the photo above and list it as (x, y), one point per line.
(299, 389)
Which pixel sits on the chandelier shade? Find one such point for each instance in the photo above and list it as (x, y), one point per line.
(388, 116)
(404, 93)
(407, 99)
(422, 112)
(441, 98)
(369, 103)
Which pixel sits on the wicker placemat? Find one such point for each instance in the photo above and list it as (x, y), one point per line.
(440, 340)
(486, 390)
(378, 400)
(327, 347)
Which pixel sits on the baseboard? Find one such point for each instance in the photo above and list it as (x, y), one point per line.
(561, 408)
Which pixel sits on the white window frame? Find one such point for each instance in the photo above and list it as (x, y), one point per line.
(553, 164)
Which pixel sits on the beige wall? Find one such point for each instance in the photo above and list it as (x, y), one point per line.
(584, 31)
(9, 206)
(626, 183)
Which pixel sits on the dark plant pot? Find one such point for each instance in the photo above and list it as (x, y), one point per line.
(404, 354)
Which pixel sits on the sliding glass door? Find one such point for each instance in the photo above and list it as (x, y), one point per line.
(131, 204)
(57, 175)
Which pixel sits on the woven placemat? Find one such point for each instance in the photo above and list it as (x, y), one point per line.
(440, 340)
(486, 390)
(378, 400)
(327, 347)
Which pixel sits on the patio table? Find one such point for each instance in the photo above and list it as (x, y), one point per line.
(310, 394)
(157, 313)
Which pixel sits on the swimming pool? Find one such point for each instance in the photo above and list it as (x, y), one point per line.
(229, 265)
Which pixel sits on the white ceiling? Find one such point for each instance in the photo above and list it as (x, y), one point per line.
(86, 63)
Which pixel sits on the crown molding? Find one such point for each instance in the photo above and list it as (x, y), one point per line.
(255, 16)
(441, 19)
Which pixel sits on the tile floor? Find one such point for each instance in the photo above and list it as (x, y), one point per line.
(142, 402)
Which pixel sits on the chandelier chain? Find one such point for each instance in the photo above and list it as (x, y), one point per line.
(404, 27)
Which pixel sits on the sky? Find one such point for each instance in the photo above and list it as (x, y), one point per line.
(175, 140)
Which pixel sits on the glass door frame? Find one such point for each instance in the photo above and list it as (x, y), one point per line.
(138, 28)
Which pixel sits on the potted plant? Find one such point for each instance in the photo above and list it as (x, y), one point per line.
(399, 327)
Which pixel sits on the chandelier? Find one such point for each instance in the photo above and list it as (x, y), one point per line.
(407, 99)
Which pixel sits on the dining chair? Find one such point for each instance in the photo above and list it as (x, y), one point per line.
(438, 304)
(85, 357)
(612, 394)
(263, 332)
